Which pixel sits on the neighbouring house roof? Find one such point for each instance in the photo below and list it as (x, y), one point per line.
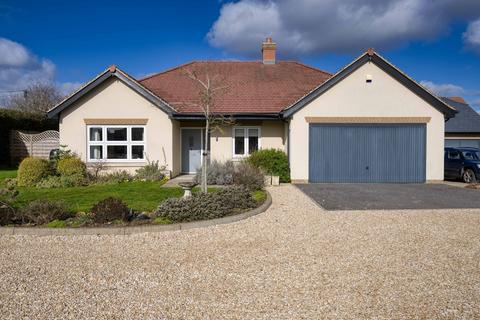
(248, 87)
(382, 63)
(111, 72)
(467, 120)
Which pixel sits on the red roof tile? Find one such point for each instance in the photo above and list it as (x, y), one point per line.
(250, 87)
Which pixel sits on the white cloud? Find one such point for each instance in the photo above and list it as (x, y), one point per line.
(444, 89)
(20, 68)
(313, 26)
(471, 37)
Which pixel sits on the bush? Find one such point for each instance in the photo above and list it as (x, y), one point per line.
(248, 176)
(115, 177)
(44, 211)
(71, 166)
(218, 173)
(203, 206)
(62, 181)
(273, 162)
(109, 209)
(32, 170)
(150, 172)
(7, 214)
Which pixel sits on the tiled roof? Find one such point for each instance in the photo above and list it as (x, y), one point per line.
(466, 120)
(248, 87)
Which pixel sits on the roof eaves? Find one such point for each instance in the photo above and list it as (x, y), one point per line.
(374, 57)
(103, 76)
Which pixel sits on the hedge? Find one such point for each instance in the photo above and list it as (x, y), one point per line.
(19, 120)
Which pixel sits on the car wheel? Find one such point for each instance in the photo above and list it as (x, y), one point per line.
(468, 176)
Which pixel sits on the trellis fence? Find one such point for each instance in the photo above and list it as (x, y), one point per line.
(25, 144)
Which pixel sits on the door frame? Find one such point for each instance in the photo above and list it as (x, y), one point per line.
(181, 147)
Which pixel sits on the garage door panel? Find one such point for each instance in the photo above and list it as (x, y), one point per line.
(367, 153)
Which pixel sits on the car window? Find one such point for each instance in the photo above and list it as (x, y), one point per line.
(468, 156)
(453, 155)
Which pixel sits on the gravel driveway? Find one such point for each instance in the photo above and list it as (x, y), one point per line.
(294, 261)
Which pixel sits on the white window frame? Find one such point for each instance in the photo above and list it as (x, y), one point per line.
(129, 143)
(245, 137)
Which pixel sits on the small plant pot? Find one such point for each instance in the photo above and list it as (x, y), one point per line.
(268, 180)
(275, 180)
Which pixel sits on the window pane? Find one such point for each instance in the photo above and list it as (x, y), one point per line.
(95, 134)
(96, 152)
(239, 132)
(117, 134)
(239, 145)
(116, 152)
(253, 132)
(137, 152)
(252, 144)
(137, 134)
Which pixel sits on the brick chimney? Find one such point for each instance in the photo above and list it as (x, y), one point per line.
(269, 49)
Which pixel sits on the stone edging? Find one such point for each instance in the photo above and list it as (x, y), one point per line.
(38, 231)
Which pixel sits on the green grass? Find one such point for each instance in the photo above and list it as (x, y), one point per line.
(139, 195)
(162, 220)
(7, 173)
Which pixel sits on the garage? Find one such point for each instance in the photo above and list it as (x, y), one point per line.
(368, 153)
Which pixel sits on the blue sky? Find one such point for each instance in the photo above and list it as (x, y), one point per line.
(70, 42)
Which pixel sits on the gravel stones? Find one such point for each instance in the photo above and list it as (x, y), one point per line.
(294, 261)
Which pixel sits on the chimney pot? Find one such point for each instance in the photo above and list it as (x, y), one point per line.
(269, 49)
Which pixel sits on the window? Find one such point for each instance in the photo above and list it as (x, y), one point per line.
(116, 143)
(246, 140)
(453, 155)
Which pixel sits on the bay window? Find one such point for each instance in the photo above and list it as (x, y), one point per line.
(246, 140)
(116, 143)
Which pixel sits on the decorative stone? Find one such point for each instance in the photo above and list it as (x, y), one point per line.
(187, 188)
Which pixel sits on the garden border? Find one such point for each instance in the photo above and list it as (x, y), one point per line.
(41, 231)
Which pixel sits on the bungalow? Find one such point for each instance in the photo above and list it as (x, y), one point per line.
(369, 122)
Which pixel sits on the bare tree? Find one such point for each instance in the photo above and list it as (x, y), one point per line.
(211, 87)
(38, 97)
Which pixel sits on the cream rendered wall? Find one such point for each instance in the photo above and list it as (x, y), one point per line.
(272, 136)
(353, 97)
(114, 100)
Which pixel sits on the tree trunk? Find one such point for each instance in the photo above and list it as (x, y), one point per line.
(205, 158)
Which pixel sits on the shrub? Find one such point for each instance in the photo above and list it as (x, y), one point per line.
(7, 214)
(202, 206)
(115, 177)
(218, 173)
(63, 181)
(273, 162)
(150, 172)
(44, 211)
(70, 166)
(57, 224)
(248, 176)
(259, 196)
(32, 170)
(109, 209)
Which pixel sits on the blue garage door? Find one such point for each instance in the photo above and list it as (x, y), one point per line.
(367, 153)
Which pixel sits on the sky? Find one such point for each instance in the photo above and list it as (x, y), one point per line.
(68, 43)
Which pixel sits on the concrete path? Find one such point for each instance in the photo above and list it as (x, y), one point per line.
(182, 178)
(294, 261)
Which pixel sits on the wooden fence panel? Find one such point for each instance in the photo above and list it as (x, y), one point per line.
(25, 144)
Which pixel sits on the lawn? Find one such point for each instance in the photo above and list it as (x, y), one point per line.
(7, 173)
(139, 195)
